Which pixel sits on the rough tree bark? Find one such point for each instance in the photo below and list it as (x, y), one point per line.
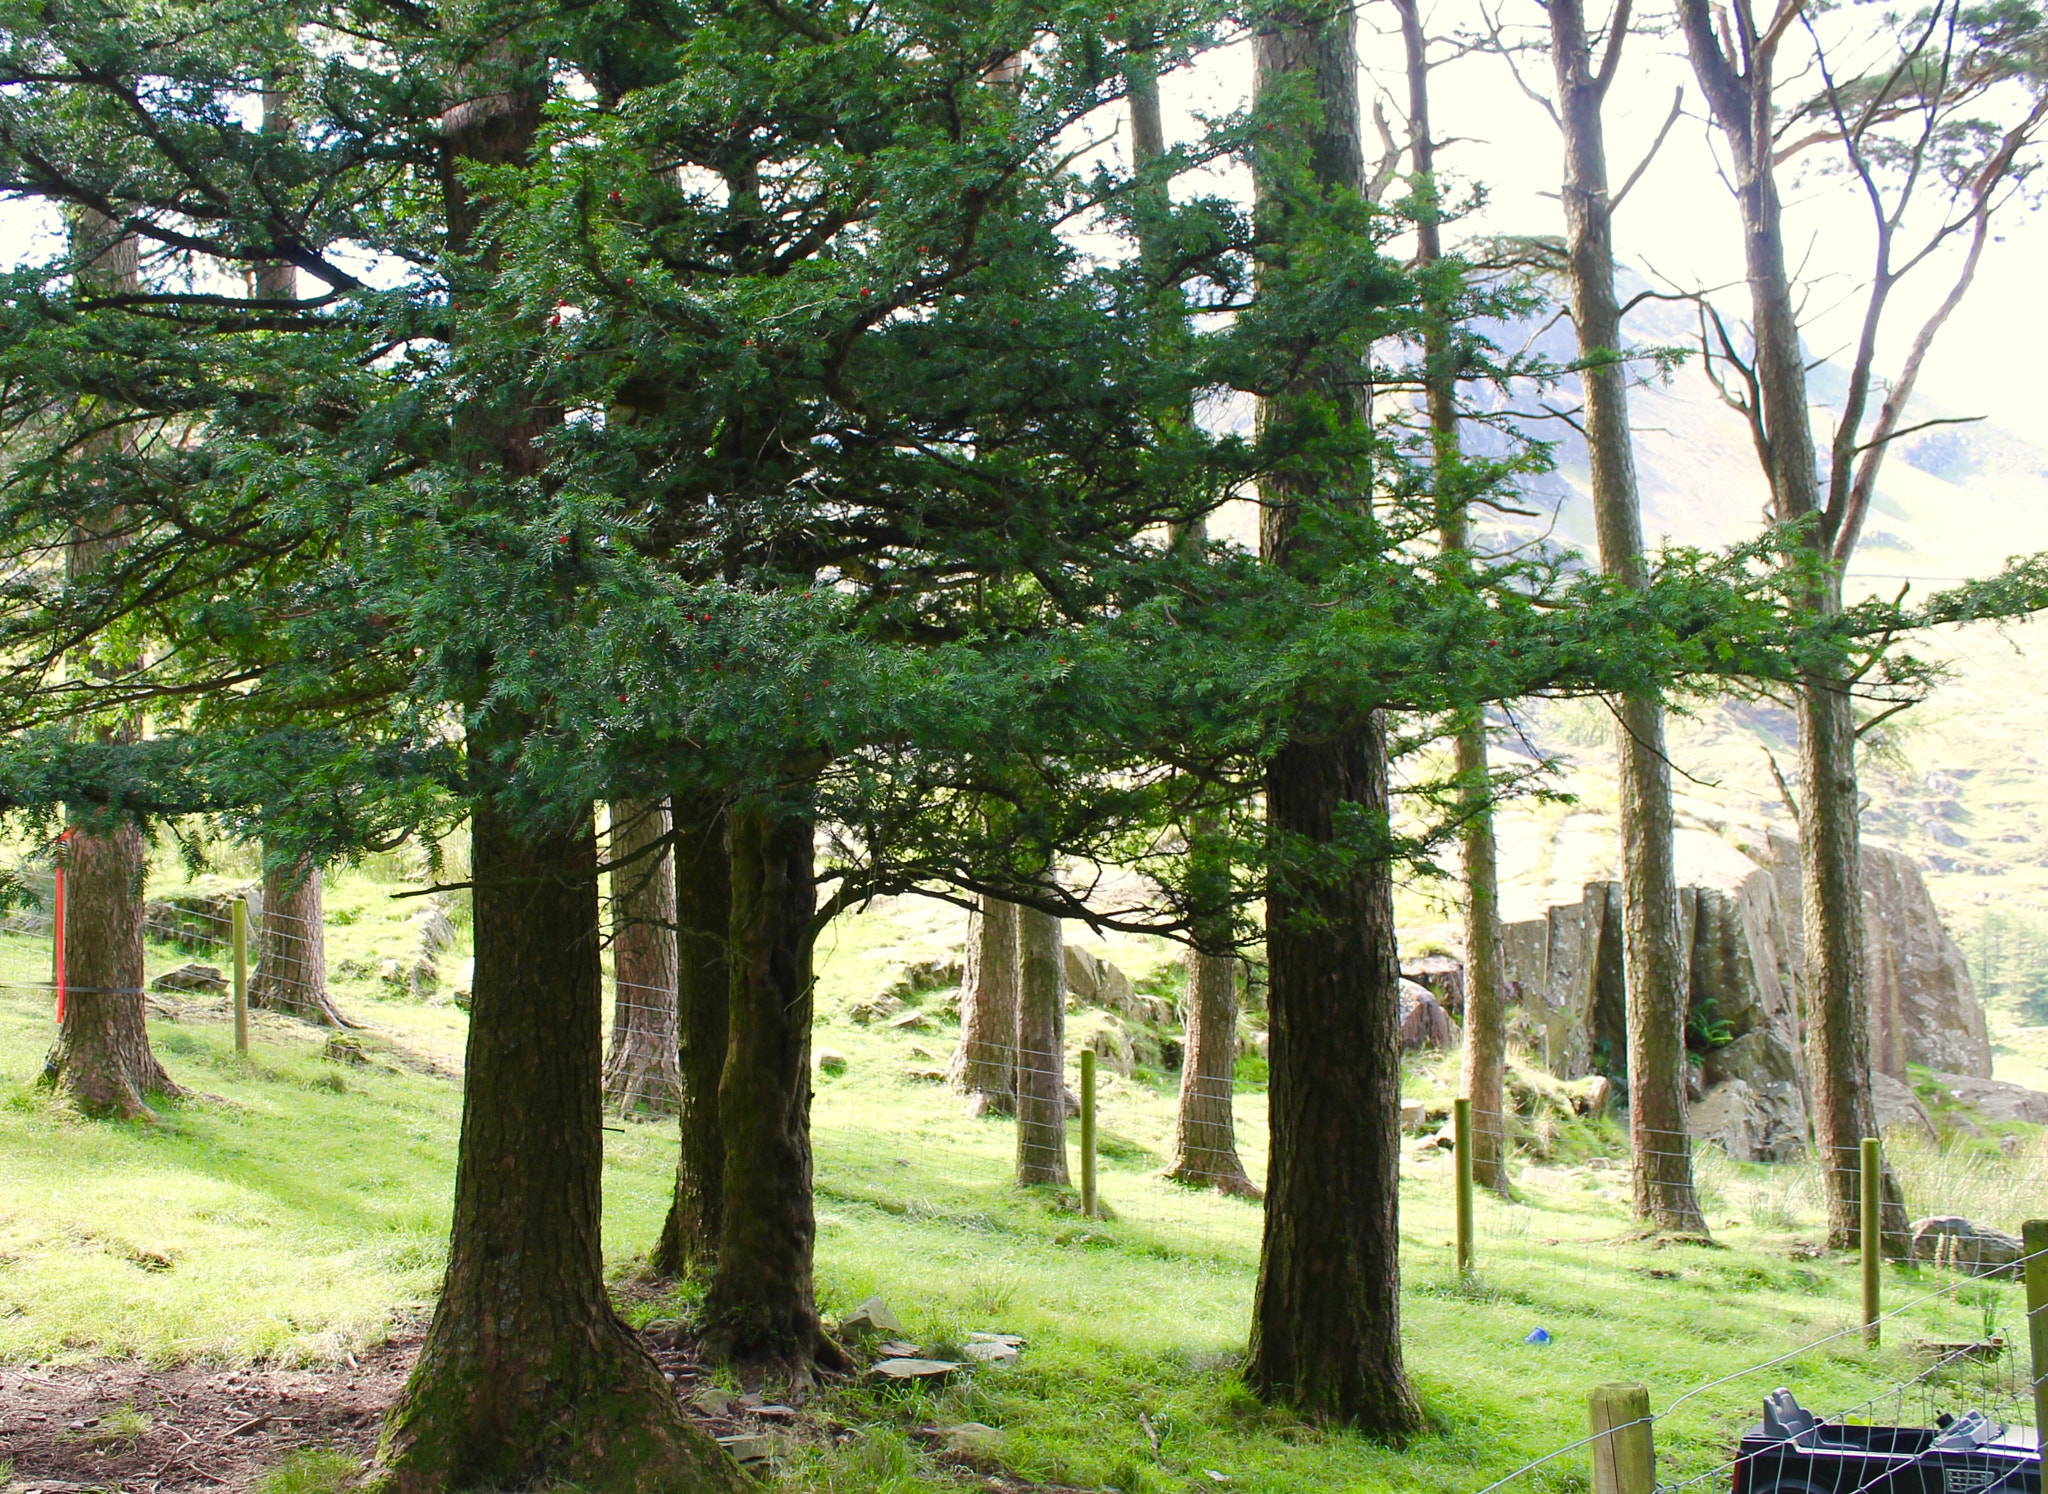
(1484, 1058)
(696, 1215)
(1041, 1049)
(1741, 99)
(762, 1307)
(527, 1373)
(984, 1066)
(102, 1062)
(1326, 1320)
(1654, 965)
(1205, 1135)
(527, 1376)
(640, 1071)
(291, 947)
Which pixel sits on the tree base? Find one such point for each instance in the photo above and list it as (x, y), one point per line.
(980, 1102)
(1232, 1184)
(606, 1423)
(107, 1090)
(798, 1362)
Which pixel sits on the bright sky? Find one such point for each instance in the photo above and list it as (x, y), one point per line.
(1678, 222)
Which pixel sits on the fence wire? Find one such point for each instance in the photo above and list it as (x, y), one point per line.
(1041, 1136)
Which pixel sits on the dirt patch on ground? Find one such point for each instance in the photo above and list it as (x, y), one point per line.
(121, 1425)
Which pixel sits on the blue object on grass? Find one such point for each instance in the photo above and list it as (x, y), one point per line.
(1539, 1336)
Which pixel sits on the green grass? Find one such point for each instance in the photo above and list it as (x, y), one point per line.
(311, 1470)
(301, 1205)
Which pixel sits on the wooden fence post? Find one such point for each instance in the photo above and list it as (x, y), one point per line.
(1088, 1133)
(238, 924)
(1461, 1135)
(1871, 1197)
(1624, 1453)
(2034, 1243)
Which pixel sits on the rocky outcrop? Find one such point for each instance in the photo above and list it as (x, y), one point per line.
(1996, 1100)
(1743, 937)
(1959, 1245)
(1898, 1108)
(1564, 972)
(1756, 1082)
(1092, 981)
(1444, 978)
(1923, 1008)
(1742, 930)
(1424, 1022)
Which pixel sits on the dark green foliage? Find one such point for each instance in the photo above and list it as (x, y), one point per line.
(846, 471)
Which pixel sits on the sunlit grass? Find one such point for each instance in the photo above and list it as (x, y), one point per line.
(292, 1206)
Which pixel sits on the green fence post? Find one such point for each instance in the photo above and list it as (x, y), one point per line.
(1461, 1135)
(239, 924)
(1871, 1197)
(1088, 1133)
(2034, 1244)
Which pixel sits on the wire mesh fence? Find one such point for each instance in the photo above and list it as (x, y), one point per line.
(928, 1162)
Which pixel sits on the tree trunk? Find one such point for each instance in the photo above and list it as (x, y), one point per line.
(640, 1072)
(762, 1307)
(291, 947)
(1326, 1322)
(1838, 1039)
(527, 1375)
(1205, 1138)
(291, 955)
(1837, 1022)
(1655, 978)
(1326, 1319)
(102, 1062)
(696, 1216)
(1653, 963)
(1482, 1066)
(1205, 1134)
(1485, 1052)
(984, 1066)
(1041, 1050)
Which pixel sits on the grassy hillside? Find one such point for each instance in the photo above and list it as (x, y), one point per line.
(292, 1208)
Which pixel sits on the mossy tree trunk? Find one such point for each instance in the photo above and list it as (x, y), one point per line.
(527, 1375)
(1326, 1317)
(696, 1214)
(761, 1307)
(291, 947)
(1041, 1049)
(102, 1062)
(984, 1066)
(640, 1074)
(1205, 1132)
